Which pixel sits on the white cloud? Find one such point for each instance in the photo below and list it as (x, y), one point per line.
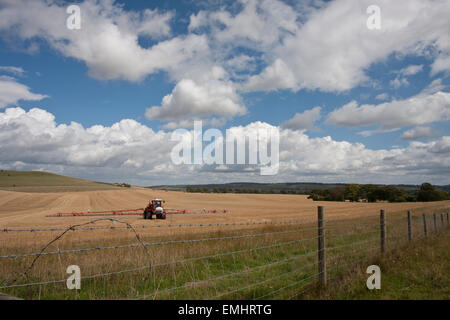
(11, 92)
(189, 124)
(401, 78)
(108, 39)
(260, 23)
(435, 86)
(17, 71)
(276, 76)
(411, 70)
(399, 82)
(283, 38)
(441, 146)
(190, 100)
(151, 23)
(418, 133)
(326, 47)
(240, 65)
(347, 48)
(382, 96)
(303, 121)
(34, 140)
(417, 110)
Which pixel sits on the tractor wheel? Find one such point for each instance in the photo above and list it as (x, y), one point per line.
(145, 215)
(163, 216)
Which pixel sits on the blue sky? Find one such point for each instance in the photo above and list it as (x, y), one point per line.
(230, 64)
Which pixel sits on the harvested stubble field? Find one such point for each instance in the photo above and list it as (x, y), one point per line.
(232, 267)
(18, 209)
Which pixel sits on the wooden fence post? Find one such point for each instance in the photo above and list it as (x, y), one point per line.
(382, 231)
(447, 219)
(321, 248)
(435, 223)
(442, 220)
(409, 226)
(424, 218)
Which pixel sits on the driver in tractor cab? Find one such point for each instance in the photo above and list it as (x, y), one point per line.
(155, 207)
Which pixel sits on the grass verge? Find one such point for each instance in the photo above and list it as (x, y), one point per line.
(418, 271)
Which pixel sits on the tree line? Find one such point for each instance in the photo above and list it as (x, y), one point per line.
(373, 193)
(351, 192)
(242, 190)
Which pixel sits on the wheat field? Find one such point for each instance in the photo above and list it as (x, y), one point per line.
(29, 210)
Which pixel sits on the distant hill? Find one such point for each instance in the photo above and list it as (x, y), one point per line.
(299, 187)
(37, 181)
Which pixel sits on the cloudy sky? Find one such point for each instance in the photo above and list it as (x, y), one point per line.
(352, 103)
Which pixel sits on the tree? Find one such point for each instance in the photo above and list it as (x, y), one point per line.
(429, 193)
(352, 192)
(368, 192)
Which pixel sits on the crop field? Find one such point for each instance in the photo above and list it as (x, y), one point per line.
(264, 246)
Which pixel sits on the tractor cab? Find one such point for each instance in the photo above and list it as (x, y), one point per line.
(157, 203)
(155, 207)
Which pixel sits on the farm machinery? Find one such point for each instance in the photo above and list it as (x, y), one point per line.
(155, 207)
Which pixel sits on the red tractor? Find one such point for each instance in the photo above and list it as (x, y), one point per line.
(155, 207)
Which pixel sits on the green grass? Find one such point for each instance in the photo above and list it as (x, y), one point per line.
(282, 268)
(418, 271)
(37, 181)
(277, 271)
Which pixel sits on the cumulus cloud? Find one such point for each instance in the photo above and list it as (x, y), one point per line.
(417, 110)
(260, 23)
(441, 146)
(418, 133)
(190, 100)
(347, 48)
(281, 39)
(11, 92)
(276, 76)
(303, 121)
(108, 39)
(34, 140)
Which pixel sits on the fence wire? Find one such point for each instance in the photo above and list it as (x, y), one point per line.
(159, 243)
(339, 232)
(166, 263)
(221, 277)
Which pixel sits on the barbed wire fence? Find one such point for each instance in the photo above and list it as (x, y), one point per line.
(282, 261)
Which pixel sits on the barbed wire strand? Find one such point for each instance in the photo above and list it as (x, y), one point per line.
(264, 281)
(288, 286)
(302, 221)
(159, 243)
(190, 225)
(166, 263)
(25, 272)
(350, 244)
(231, 274)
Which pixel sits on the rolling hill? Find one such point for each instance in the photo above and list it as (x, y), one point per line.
(301, 187)
(37, 181)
